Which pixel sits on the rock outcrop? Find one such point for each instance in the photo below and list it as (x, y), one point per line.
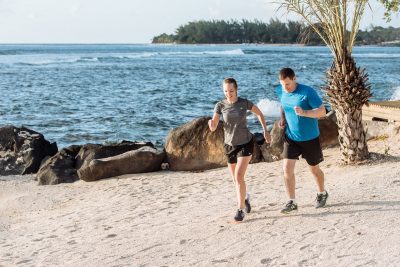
(22, 150)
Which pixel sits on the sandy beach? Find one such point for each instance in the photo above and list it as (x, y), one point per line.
(183, 218)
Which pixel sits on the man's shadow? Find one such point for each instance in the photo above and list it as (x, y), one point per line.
(371, 206)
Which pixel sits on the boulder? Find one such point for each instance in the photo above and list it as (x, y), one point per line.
(276, 147)
(193, 147)
(328, 130)
(95, 161)
(22, 150)
(90, 152)
(144, 159)
(60, 168)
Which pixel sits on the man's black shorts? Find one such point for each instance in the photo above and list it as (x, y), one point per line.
(233, 152)
(310, 150)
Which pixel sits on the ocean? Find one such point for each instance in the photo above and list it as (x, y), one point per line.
(78, 94)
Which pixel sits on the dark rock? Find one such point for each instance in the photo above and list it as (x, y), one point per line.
(144, 159)
(277, 138)
(22, 150)
(95, 151)
(60, 168)
(328, 130)
(193, 147)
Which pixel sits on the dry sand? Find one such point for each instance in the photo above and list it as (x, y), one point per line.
(182, 218)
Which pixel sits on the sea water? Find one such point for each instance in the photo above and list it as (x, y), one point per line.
(77, 94)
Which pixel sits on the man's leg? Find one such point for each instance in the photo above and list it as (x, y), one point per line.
(290, 183)
(318, 176)
(289, 178)
(322, 196)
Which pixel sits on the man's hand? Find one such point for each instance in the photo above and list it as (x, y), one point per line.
(299, 111)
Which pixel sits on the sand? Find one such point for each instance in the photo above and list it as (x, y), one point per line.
(183, 218)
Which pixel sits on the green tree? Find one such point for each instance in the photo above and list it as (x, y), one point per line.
(392, 7)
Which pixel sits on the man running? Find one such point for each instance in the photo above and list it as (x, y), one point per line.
(300, 109)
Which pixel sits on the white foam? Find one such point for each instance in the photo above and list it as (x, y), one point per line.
(228, 52)
(375, 55)
(223, 52)
(89, 59)
(45, 59)
(396, 94)
(50, 61)
(136, 55)
(269, 108)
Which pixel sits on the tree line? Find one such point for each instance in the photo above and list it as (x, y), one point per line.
(273, 32)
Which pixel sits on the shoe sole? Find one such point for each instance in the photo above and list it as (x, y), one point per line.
(326, 203)
(289, 212)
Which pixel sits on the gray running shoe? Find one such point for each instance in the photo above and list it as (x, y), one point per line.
(290, 206)
(247, 205)
(320, 200)
(239, 216)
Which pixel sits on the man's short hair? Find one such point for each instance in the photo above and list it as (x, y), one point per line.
(231, 81)
(285, 73)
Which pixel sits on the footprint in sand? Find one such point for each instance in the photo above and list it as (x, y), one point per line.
(266, 261)
(303, 263)
(111, 235)
(24, 261)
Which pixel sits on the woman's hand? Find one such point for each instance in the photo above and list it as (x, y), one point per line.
(267, 137)
(213, 123)
(210, 125)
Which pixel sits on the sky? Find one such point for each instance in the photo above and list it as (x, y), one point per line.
(131, 21)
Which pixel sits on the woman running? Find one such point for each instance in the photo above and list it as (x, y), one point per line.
(239, 142)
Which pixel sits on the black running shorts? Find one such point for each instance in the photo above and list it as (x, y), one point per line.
(233, 152)
(309, 150)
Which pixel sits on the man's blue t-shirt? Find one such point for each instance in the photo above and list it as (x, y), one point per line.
(299, 128)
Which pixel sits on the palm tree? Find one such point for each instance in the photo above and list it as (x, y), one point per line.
(337, 23)
(391, 6)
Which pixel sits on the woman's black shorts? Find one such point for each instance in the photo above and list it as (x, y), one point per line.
(310, 150)
(233, 152)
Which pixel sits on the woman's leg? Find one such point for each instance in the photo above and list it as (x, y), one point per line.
(240, 172)
(231, 168)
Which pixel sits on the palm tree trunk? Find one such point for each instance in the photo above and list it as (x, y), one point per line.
(352, 141)
(348, 90)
